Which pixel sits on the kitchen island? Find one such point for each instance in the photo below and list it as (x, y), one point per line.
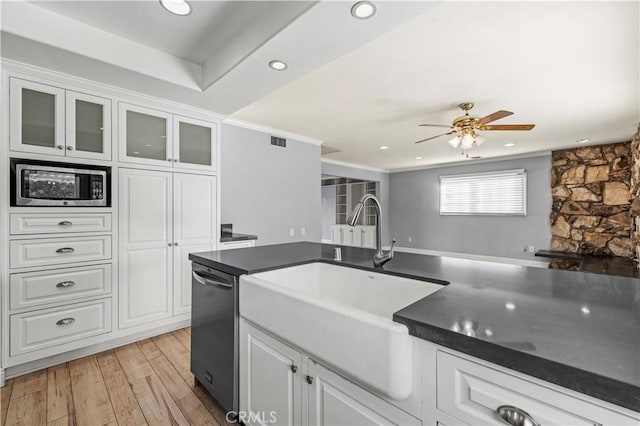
(578, 330)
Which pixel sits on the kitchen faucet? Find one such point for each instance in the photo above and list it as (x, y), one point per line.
(380, 258)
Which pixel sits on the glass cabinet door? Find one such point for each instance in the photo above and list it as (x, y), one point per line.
(195, 143)
(36, 117)
(145, 135)
(88, 126)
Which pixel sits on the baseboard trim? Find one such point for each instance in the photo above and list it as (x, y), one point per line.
(483, 258)
(50, 361)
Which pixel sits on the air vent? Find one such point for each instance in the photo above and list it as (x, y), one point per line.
(282, 142)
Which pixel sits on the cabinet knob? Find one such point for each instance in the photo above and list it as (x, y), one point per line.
(515, 416)
(175, 160)
(309, 379)
(65, 284)
(65, 321)
(294, 369)
(65, 223)
(168, 159)
(170, 244)
(65, 250)
(69, 148)
(60, 147)
(175, 244)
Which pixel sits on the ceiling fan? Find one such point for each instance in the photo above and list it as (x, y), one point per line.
(466, 127)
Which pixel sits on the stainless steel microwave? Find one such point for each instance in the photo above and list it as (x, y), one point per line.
(39, 183)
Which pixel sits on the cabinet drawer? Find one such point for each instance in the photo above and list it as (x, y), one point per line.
(473, 392)
(42, 223)
(44, 328)
(56, 251)
(37, 288)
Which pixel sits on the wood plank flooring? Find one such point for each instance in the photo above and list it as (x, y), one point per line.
(143, 383)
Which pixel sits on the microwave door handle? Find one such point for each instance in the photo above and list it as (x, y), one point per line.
(204, 281)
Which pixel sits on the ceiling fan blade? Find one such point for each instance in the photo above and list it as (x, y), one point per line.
(448, 126)
(495, 116)
(434, 137)
(508, 127)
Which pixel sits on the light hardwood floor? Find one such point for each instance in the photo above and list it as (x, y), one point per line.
(147, 382)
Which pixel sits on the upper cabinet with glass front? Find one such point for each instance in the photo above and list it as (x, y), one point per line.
(49, 120)
(149, 136)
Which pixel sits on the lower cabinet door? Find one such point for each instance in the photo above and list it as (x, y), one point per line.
(270, 380)
(333, 400)
(182, 275)
(145, 285)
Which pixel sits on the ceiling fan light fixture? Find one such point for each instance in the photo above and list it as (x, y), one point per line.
(363, 10)
(479, 140)
(467, 141)
(454, 142)
(177, 7)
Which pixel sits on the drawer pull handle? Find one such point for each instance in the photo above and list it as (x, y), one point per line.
(515, 416)
(65, 321)
(65, 284)
(65, 223)
(65, 250)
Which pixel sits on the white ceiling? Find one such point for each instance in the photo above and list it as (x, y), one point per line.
(569, 67)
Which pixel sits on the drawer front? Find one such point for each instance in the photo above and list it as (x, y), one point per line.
(56, 251)
(37, 288)
(42, 223)
(473, 392)
(44, 328)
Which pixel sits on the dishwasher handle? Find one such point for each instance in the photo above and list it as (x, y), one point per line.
(205, 281)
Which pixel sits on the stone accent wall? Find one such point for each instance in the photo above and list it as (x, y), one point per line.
(591, 206)
(635, 194)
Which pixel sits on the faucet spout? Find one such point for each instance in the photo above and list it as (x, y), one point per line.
(380, 258)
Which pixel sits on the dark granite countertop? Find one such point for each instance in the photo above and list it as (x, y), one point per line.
(609, 265)
(226, 237)
(578, 330)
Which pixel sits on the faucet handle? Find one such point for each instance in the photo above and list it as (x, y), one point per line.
(391, 249)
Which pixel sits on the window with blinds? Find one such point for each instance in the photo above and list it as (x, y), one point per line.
(490, 193)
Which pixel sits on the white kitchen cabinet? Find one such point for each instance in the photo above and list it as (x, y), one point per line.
(50, 120)
(194, 230)
(335, 401)
(36, 118)
(164, 216)
(270, 379)
(146, 257)
(195, 145)
(145, 135)
(58, 223)
(472, 393)
(88, 125)
(153, 137)
(58, 251)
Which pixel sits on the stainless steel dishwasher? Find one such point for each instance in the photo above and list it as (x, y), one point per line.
(214, 333)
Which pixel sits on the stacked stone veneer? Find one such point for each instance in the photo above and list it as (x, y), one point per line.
(591, 210)
(635, 194)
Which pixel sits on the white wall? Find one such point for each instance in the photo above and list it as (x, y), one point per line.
(328, 213)
(266, 189)
(414, 212)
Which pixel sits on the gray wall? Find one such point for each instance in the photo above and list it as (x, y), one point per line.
(383, 188)
(414, 212)
(328, 213)
(265, 189)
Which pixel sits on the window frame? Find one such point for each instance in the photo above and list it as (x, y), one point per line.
(521, 172)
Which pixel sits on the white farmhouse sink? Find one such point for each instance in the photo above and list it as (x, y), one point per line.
(341, 316)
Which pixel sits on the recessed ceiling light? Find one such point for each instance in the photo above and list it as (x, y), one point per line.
(177, 7)
(583, 140)
(418, 158)
(363, 10)
(510, 306)
(147, 144)
(384, 147)
(509, 144)
(278, 65)
(585, 310)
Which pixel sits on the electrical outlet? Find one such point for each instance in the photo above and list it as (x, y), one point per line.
(303, 232)
(525, 249)
(532, 249)
(410, 239)
(292, 232)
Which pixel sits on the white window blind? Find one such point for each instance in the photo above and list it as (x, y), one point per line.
(491, 193)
